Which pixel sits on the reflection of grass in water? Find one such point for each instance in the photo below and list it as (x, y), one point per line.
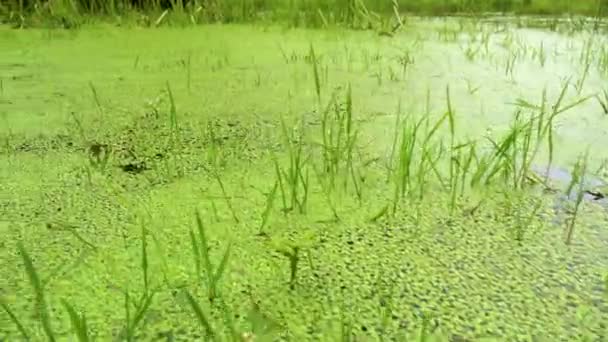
(602, 98)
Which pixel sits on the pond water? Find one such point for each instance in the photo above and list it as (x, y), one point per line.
(471, 275)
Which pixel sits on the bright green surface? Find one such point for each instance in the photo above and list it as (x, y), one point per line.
(467, 272)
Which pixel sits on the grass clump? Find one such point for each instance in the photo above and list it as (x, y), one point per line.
(385, 16)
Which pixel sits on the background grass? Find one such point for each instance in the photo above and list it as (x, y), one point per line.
(353, 13)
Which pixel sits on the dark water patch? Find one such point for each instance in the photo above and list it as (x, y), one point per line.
(559, 178)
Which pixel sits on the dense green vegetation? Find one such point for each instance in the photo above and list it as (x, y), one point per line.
(355, 13)
(438, 179)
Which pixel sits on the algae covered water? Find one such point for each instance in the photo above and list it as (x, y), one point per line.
(348, 185)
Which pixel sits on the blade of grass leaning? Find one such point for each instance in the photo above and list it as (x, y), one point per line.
(391, 157)
(96, 98)
(453, 159)
(350, 135)
(142, 307)
(144, 259)
(279, 174)
(269, 205)
(226, 197)
(15, 320)
(470, 156)
(315, 70)
(200, 316)
(196, 254)
(229, 321)
(219, 272)
(41, 305)
(60, 226)
(327, 191)
(213, 277)
(188, 70)
(79, 322)
(305, 181)
(127, 306)
(581, 169)
(160, 253)
(204, 247)
(175, 135)
(379, 214)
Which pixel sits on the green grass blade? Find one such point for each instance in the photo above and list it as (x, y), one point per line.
(315, 71)
(277, 169)
(200, 315)
(142, 309)
(204, 246)
(226, 197)
(196, 254)
(269, 205)
(38, 291)
(127, 304)
(229, 321)
(15, 320)
(144, 258)
(79, 323)
(222, 266)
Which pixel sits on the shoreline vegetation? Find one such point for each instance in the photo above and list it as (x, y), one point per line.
(309, 13)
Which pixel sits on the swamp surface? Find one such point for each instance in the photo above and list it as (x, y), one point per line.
(110, 134)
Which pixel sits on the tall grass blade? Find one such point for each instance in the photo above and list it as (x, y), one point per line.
(221, 267)
(141, 308)
(96, 98)
(15, 320)
(204, 246)
(196, 254)
(202, 319)
(144, 259)
(226, 197)
(580, 171)
(41, 305)
(315, 70)
(79, 322)
(269, 205)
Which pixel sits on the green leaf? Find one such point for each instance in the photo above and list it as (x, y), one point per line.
(202, 319)
(79, 323)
